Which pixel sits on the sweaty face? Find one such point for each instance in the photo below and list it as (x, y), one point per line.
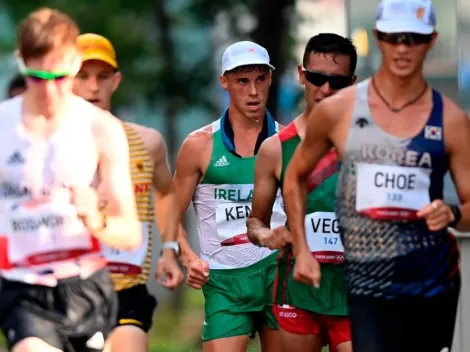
(328, 64)
(248, 91)
(403, 59)
(96, 83)
(49, 95)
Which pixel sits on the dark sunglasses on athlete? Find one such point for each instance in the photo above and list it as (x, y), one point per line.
(409, 39)
(318, 79)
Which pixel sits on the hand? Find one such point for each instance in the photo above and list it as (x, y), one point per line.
(86, 203)
(307, 269)
(168, 272)
(198, 273)
(437, 214)
(276, 238)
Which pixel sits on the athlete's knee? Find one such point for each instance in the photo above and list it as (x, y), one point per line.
(232, 344)
(127, 338)
(34, 344)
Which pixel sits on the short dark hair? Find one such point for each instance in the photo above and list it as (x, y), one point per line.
(330, 43)
(16, 82)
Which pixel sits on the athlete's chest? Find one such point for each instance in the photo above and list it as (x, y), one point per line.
(47, 162)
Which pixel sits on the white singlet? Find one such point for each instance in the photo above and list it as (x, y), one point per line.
(39, 228)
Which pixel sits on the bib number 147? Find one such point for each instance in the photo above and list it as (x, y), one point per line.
(330, 240)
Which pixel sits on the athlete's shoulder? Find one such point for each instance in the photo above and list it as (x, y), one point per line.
(9, 107)
(333, 109)
(270, 148)
(153, 140)
(453, 112)
(199, 139)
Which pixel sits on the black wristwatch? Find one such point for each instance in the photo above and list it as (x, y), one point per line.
(455, 209)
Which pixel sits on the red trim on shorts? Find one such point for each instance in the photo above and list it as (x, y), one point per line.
(276, 280)
(288, 270)
(334, 330)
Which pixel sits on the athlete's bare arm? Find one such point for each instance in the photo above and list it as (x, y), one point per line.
(457, 139)
(307, 155)
(188, 174)
(267, 176)
(122, 229)
(166, 208)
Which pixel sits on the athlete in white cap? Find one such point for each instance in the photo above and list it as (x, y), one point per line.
(215, 169)
(397, 138)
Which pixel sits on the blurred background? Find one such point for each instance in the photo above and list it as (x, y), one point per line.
(169, 53)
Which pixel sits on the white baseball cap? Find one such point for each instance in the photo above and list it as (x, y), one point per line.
(244, 53)
(401, 16)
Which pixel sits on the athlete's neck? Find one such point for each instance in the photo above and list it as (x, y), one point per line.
(241, 123)
(32, 109)
(397, 90)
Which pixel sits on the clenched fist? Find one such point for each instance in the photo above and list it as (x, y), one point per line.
(307, 269)
(198, 273)
(276, 238)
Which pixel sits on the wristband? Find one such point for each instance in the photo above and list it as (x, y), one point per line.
(455, 209)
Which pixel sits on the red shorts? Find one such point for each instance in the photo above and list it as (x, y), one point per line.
(336, 330)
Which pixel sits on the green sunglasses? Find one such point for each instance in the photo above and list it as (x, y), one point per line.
(40, 75)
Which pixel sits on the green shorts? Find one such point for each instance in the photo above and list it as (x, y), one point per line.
(239, 301)
(329, 299)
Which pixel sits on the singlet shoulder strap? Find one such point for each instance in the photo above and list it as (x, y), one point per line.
(290, 131)
(361, 113)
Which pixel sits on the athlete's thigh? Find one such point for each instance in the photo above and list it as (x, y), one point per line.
(338, 330)
(270, 340)
(24, 329)
(34, 344)
(232, 344)
(127, 339)
(299, 330)
(136, 308)
(434, 321)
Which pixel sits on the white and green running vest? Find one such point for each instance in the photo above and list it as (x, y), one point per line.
(223, 203)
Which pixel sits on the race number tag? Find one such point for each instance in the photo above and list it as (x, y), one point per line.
(41, 233)
(231, 221)
(391, 192)
(128, 262)
(323, 238)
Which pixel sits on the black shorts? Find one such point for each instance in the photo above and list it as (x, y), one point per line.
(136, 307)
(75, 316)
(404, 325)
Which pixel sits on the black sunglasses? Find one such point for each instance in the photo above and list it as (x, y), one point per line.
(409, 39)
(318, 79)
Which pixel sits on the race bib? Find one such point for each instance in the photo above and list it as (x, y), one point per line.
(41, 233)
(128, 262)
(231, 221)
(323, 238)
(391, 192)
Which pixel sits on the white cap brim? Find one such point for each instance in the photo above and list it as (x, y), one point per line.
(247, 63)
(403, 26)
